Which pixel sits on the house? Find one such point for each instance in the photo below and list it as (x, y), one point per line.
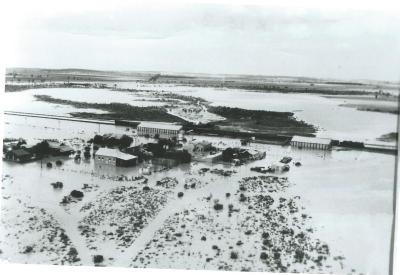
(65, 150)
(160, 129)
(58, 149)
(311, 143)
(18, 155)
(114, 157)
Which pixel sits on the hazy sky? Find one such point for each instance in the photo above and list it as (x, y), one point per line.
(209, 38)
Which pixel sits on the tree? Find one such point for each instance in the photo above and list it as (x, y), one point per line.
(125, 141)
(41, 149)
(98, 139)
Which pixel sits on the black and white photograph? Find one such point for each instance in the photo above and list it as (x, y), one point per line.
(247, 136)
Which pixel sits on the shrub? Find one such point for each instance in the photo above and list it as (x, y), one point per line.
(234, 255)
(146, 188)
(98, 259)
(76, 194)
(263, 256)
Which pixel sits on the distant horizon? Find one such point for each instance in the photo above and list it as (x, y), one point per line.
(177, 73)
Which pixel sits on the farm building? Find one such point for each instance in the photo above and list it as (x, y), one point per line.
(114, 157)
(311, 143)
(59, 149)
(163, 130)
(65, 150)
(18, 155)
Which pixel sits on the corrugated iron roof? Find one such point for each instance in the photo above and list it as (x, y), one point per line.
(161, 125)
(325, 141)
(108, 152)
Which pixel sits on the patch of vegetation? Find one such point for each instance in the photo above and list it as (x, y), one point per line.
(262, 121)
(389, 137)
(116, 110)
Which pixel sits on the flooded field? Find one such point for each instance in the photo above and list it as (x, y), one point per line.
(318, 216)
(338, 203)
(329, 114)
(25, 101)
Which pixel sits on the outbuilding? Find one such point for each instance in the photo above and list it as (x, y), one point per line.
(114, 157)
(311, 143)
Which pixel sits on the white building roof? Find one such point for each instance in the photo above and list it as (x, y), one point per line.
(325, 141)
(161, 125)
(114, 153)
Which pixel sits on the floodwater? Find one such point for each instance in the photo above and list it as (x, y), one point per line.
(348, 194)
(331, 119)
(25, 101)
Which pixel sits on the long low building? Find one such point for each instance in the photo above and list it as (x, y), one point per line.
(311, 143)
(114, 157)
(160, 129)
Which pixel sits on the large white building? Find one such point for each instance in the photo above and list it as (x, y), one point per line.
(114, 157)
(162, 129)
(311, 143)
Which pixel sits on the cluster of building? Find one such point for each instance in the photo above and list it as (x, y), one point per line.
(19, 151)
(168, 148)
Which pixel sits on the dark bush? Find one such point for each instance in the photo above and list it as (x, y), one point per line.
(146, 188)
(76, 194)
(28, 249)
(218, 206)
(98, 139)
(263, 256)
(180, 194)
(234, 255)
(98, 259)
(49, 165)
(58, 162)
(87, 155)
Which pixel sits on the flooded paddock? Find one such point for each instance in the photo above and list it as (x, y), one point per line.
(339, 200)
(326, 113)
(345, 196)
